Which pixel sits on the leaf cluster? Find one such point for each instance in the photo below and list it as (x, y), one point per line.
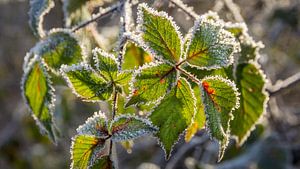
(208, 78)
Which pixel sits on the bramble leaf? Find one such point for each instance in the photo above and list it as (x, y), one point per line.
(174, 114)
(199, 119)
(220, 98)
(135, 56)
(151, 82)
(86, 83)
(85, 150)
(249, 48)
(95, 125)
(209, 45)
(251, 82)
(121, 109)
(60, 47)
(123, 78)
(160, 33)
(130, 127)
(106, 64)
(38, 93)
(38, 9)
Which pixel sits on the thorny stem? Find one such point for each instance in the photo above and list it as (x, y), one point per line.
(234, 9)
(95, 17)
(280, 86)
(114, 109)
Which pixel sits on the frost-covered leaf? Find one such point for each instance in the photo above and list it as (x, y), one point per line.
(95, 125)
(209, 45)
(104, 163)
(220, 98)
(249, 48)
(134, 57)
(199, 119)
(106, 64)
(85, 150)
(60, 47)
(38, 9)
(121, 109)
(130, 127)
(200, 74)
(160, 33)
(86, 83)
(38, 93)
(174, 114)
(251, 82)
(123, 78)
(151, 82)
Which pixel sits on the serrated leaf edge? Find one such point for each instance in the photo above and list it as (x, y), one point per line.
(98, 51)
(213, 19)
(136, 73)
(140, 31)
(240, 142)
(90, 163)
(143, 120)
(42, 12)
(167, 156)
(98, 114)
(78, 67)
(51, 105)
(227, 132)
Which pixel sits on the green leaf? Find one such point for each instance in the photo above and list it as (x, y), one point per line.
(174, 114)
(249, 48)
(200, 74)
(130, 127)
(123, 78)
(60, 47)
(38, 9)
(199, 119)
(86, 83)
(209, 45)
(160, 33)
(251, 82)
(151, 82)
(39, 95)
(134, 57)
(220, 98)
(85, 150)
(121, 109)
(95, 125)
(104, 163)
(106, 64)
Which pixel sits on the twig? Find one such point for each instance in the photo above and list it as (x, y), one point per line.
(104, 12)
(234, 9)
(188, 10)
(280, 85)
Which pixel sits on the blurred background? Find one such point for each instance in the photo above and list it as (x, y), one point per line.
(274, 144)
